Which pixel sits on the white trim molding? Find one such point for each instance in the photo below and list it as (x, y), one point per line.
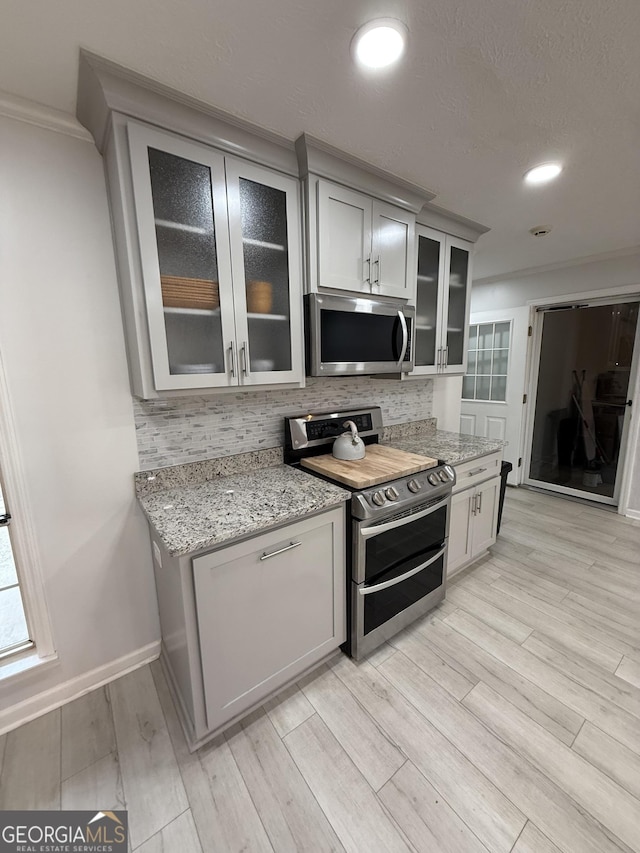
(49, 700)
(23, 535)
(557, 265)
(30, 112)
(633, 513)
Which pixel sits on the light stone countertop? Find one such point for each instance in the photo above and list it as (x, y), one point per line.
(191, 518)
(452, 447)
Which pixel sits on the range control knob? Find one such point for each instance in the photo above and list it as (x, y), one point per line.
(392, 494)
(414, 486)
(444, 476)
(433, 479)
(378, 498)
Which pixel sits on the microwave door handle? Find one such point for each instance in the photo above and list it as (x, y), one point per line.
(368, 532)
(367, 590)
(405, 337)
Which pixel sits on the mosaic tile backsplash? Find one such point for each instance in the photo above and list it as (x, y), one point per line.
(190, 429)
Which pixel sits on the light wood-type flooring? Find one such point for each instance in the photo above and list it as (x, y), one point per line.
(506, 720)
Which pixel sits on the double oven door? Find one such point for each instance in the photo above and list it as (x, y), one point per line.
(398, 571)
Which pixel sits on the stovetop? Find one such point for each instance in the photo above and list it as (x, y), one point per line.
(312, 434)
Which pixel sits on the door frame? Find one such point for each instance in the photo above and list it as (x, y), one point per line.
(630, 434)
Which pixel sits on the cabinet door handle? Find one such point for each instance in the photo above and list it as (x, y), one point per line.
(377, 262)
(446, 357)
(232, 358)
(244, 359)
(473, 504)
(439, 362)
(476, 471)
(479, 502)
(368, 262)
(288, 547)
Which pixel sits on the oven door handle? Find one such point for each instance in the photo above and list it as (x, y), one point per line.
(367, 532)
(386, 584)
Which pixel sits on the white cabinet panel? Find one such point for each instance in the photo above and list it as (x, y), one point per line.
(344, 238)
(459, 550)
(485, 519)
(392, 255)
(268, 609)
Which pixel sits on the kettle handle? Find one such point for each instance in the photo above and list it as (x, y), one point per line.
(355, 438)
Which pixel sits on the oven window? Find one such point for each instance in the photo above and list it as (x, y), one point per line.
(406, 546)
(350, 336)
(381, 606)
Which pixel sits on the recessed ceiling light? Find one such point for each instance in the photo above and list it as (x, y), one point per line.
(542, 173)
(379, 43)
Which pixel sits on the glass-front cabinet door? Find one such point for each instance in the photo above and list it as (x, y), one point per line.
(221, 259)
(428, 348)
(457, 269)
(264, 219)
(181, 212)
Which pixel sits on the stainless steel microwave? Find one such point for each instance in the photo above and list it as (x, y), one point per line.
(351, 336)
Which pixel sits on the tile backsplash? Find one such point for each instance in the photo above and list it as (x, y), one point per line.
(188, 429)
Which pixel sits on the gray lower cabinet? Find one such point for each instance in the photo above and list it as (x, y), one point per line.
(474, 511)
(241, 622)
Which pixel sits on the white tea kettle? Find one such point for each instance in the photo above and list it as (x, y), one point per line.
(349, 445)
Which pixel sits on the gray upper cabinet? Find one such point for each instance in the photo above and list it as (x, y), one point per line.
(360, 223)
(364, 245)
(443, 284)
(220, 255)
(208, 233)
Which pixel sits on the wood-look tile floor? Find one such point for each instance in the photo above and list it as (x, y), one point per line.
(506, 720)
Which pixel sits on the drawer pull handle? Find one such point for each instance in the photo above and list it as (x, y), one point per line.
(476, 471)
(288, 547)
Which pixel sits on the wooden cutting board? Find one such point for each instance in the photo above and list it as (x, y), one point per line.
(379, 465)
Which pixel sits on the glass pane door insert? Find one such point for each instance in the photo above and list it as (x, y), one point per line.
(427, 307)
(581, 399)
(186, 244)
(263, 216)
(457, 305)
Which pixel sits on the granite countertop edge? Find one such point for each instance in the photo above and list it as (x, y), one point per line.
(206, 516)
(452, 447)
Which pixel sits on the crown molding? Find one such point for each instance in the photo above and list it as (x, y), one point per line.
(558, 265)
(30, 112)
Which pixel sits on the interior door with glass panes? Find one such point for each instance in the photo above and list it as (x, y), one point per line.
(428, 347)
(493, 387)
(264, 221)
(181, 213)
(456, 305)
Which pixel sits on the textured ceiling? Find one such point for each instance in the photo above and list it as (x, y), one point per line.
(486, 90)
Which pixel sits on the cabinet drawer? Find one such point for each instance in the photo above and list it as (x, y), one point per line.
(268, 609)
(477, 470)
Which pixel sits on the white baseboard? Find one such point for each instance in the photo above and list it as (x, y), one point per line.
(633, 513)
(49, 700)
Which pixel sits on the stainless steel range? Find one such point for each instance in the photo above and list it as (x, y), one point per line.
(397, 543)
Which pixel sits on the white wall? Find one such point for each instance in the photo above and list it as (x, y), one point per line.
(62, 343)
(514, 291)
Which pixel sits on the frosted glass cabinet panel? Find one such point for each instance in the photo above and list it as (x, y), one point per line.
(457, 306)
(265, 257)
(220, 254)
(430, 253)
(443, 280)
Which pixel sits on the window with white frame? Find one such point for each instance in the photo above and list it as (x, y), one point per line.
(14, 633)
(487, 362)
